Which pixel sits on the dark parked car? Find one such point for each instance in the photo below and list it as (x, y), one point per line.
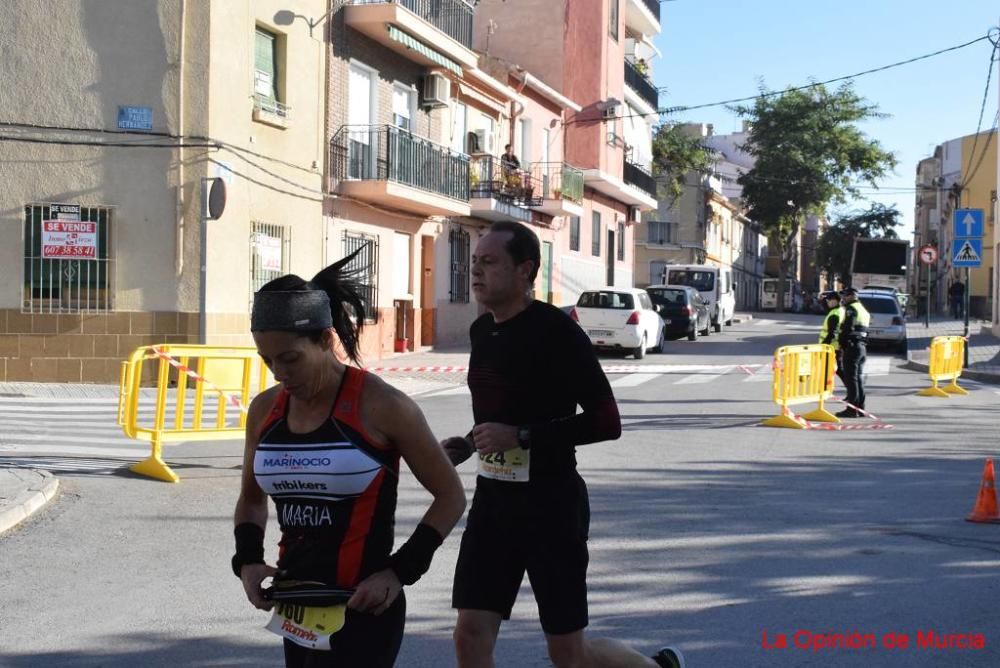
(683, 310)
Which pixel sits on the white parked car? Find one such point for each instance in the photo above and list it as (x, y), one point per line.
(620, 319)
(888, 325)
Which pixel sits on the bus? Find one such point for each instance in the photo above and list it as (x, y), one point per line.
(769, 295)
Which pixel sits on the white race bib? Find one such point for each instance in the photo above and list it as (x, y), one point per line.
(510, 465)
(306, 625)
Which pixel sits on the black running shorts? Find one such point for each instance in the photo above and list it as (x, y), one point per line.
(538, 528)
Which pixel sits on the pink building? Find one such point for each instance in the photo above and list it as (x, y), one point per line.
(597, 55)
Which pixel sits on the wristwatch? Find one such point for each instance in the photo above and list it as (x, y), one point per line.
(524, 437)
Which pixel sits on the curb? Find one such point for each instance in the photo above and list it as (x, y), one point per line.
(40, 490)
(981, 376)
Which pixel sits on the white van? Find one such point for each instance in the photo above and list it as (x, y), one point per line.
(769, 295)
(714, 284)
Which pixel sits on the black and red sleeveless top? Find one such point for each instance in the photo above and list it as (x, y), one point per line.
(334, 490)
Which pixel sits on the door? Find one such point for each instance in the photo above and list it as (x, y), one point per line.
(611, 257)
(547, 272)
(427, 291)
(359, 118)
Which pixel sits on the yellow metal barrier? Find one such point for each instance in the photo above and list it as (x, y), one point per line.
(802, 374)
(945, 363)
(185, 374)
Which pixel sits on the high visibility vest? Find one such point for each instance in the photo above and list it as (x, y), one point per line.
(861, 318)
(837, 312)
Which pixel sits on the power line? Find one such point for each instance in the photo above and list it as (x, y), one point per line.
(671, 110)
(982, 108)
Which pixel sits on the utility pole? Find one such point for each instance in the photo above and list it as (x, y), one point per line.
(965, 297)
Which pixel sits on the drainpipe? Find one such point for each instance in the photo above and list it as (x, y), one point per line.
(179, 261)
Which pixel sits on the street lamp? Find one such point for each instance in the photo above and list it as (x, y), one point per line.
(285, 17)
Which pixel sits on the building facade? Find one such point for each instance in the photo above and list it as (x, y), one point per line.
(591, 58)
(107, 240)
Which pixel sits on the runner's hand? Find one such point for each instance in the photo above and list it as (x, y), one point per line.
(376, 592)
(252, 576)
(494, 437)
(458, 449)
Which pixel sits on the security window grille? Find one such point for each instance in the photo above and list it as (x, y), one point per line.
(269, 253)
(365, 263)
(621, 241)
(68, 261)
(574, 233)
(661, 233)
(458, 240)
(595, 234)
(613, 19)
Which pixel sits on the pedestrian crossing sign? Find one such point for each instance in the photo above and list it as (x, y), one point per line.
(967, 252)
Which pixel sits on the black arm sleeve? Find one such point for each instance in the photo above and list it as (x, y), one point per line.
(600, 419)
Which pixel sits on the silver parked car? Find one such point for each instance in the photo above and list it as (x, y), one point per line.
(888, 325)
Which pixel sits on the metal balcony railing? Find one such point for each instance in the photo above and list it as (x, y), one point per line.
(653, 6)
(452, 17)
(557, 180)
(639, 177)
(491, 177)
(641, 84)
(388, 153)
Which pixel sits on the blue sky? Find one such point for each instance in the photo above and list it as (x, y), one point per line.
(720, 49)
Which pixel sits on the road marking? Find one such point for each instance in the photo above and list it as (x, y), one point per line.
(760, 377)
(451, 391)
(878, 366)
(698, 378)
(632, 380)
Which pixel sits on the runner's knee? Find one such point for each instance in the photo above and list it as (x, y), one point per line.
(473, 638)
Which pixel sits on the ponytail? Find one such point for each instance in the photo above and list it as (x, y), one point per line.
(342, 284)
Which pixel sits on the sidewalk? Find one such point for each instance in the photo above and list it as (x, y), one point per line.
(984, 348)
(22, 492)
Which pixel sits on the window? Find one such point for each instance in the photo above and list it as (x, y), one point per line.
(458, 138)
(574, 233)
(269, 246)
(621, 241)
(595, 234)
(67, 259)
(366, 264)
(402, 104)
(658, 232)
(613, 19)
(458, 241)
(267, 83)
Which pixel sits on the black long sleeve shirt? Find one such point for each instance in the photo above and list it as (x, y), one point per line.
(534, 370)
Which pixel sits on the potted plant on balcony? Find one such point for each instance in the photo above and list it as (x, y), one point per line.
(556, 193)
(642, 67)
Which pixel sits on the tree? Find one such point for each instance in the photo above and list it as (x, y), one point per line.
(835, 247)
(808, 153)
(675, 153)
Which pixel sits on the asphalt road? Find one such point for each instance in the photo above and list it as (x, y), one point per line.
(708, 531)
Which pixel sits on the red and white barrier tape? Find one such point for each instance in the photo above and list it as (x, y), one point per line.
(418, 369)
(231, 399)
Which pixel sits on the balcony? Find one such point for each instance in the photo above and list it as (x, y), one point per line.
(499, 192)
(560, 187)
(643, 16)
(637, 176)
(637, 82)
(433, 33)
(390, 166)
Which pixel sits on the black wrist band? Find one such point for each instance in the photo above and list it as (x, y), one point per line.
(249, 546)
(413, 558)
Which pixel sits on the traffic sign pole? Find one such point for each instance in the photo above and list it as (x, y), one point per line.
(927, 306)
(965, 299)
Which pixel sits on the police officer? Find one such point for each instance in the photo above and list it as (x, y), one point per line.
(831, 326)
(853, 342)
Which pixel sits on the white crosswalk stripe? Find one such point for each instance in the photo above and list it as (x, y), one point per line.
(632, 380)
(704, 377)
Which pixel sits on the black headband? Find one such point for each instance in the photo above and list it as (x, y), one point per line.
(290, 311)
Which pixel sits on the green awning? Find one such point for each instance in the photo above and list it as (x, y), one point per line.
(411, 42)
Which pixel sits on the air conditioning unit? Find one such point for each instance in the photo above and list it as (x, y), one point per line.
(609, 112)
(484, 141)
(437, 90)
(634, 215)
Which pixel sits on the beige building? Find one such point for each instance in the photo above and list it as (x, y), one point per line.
(965, 167)
(104, 164)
